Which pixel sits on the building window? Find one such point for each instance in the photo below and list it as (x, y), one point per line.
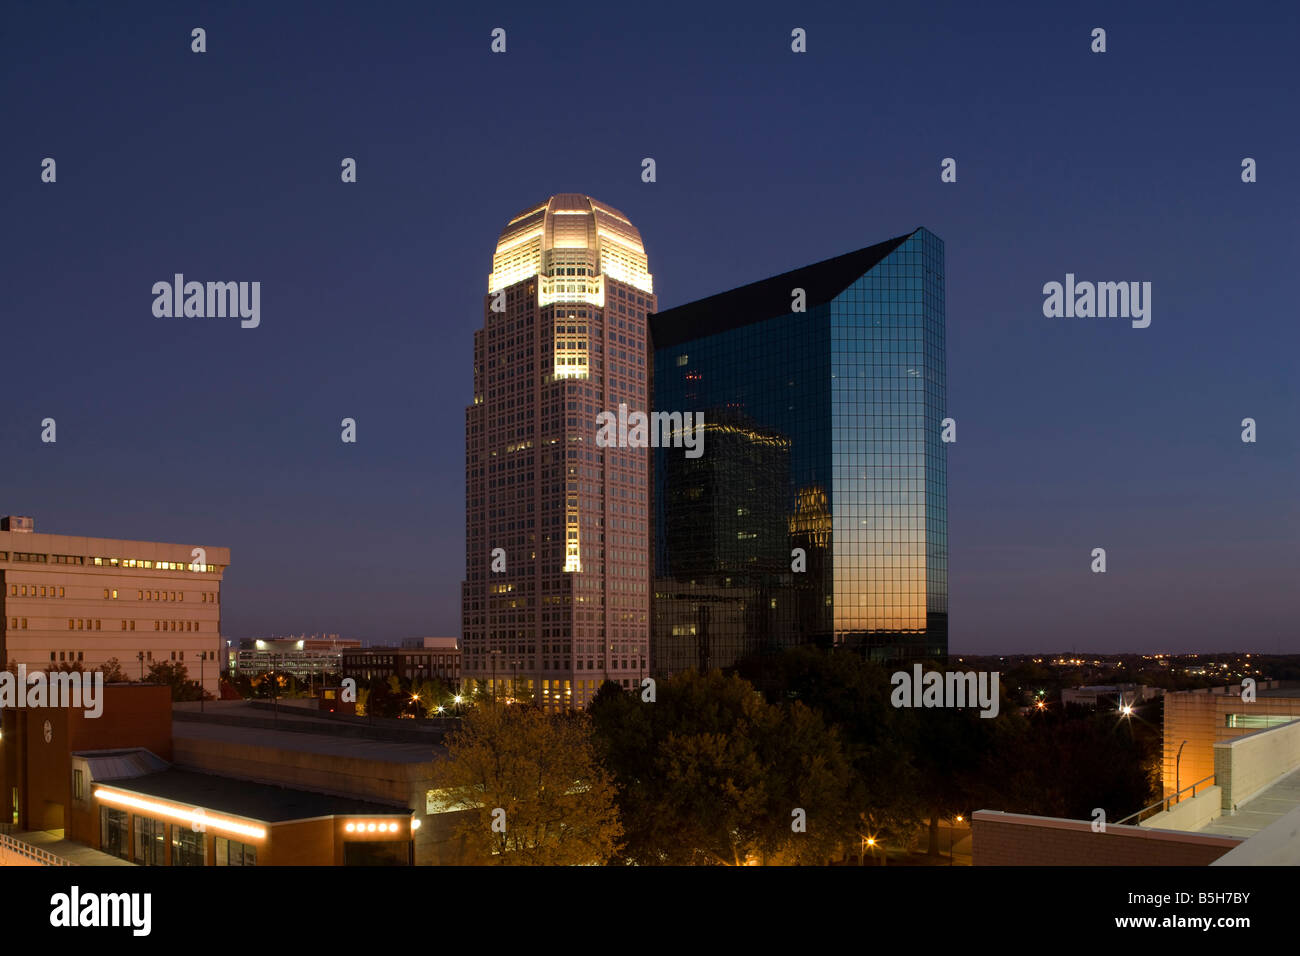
(78, 785)
(234, 853)
(150, 842)
(188, 848)
(113, 832)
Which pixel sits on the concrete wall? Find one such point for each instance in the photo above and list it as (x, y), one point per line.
(1012, 839)
(1191, 813)
(1244, 766)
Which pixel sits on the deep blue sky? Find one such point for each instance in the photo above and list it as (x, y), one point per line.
(1072, 434)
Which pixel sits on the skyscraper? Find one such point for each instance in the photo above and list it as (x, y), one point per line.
(557, 563)
(830, 380)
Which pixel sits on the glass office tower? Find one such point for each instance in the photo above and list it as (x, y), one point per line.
(817, 512)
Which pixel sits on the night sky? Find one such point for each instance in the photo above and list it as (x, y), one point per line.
(1072, 433)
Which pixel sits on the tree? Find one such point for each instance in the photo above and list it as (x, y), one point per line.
(852, 695)
(530, 786)
(113, 673)
(176, 677)
(711, 773)
(1060, 766)
(431, 694)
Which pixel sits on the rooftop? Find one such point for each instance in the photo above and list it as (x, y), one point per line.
(1262, 810)
(333, 745)
(767, 298)
(252, 801)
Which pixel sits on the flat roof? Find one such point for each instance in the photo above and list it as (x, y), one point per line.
(1264, 808)
(361, 748)
(241, 798)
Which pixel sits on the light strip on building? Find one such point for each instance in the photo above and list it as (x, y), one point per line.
(190, 815)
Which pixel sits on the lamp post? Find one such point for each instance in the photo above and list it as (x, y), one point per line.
(1177, 777)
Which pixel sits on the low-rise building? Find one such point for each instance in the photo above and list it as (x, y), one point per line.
(423, 663)
(303, 656)
(231, 785)
(69, 602)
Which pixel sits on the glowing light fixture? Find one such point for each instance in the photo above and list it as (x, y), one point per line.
(189, 815)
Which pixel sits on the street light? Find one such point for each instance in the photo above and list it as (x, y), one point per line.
(1177, 778)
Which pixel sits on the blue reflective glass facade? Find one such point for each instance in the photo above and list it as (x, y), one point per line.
(818, 510)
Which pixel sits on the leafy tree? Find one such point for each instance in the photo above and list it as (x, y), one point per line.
(1058, 766)
(542, 771)
(176, 676)
(113, 673)
(712, 774)
(852, 695)
(432, 694)
(382, 701)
